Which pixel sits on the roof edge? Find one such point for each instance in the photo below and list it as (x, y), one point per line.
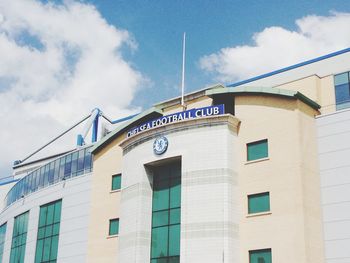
(266, 91)
(275, 72)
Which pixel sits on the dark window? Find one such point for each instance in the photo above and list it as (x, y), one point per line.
(342, 90)
(227, 100)
(166, 214)
(113, 227)
(258, 203)
(257, 150)
(19, 238)
(260, 256)
(2, 240)
(48, 232)
(116, 181)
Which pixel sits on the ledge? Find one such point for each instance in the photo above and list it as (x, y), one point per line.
(115, 191)
(259, 214)
(112, 236)
(257, 161)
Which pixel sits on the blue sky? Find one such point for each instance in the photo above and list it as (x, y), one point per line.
(157, 27)
(61, 59)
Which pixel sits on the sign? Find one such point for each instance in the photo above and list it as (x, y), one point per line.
(178, 116)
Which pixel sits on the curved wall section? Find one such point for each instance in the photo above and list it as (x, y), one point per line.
(209, 190)
(70, 165)
(72, 238)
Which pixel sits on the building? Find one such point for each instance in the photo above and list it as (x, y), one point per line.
(256, 171)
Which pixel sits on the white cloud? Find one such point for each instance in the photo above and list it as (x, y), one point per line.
(277, 47)
(58, 62)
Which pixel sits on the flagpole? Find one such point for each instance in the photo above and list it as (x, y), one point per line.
(183, 71)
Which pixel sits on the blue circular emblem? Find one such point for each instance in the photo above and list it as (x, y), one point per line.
(160, 145)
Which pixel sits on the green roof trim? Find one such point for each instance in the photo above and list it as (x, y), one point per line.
(123, 127)
(264, 90)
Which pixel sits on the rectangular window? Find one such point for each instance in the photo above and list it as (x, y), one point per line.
(19, 238)
(116, 182)
(2, 240)
(258, 203)
(342, 90)
(260, 256)
(113, 227)
(257, 150)
(166, 214)
(48, 232)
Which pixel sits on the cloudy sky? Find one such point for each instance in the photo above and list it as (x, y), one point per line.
(61, 59)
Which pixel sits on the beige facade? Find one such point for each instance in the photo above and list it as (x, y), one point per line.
(104, 204)
(293, 226)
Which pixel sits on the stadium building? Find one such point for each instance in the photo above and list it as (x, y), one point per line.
(257, 171)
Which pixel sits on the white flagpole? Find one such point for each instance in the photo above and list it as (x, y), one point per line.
(183, 71)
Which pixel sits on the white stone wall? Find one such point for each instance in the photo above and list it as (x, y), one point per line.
(334, 154)
(75, 195)
(209, 209)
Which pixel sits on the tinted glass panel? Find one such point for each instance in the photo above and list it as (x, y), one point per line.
(116, 182)
(257, 150)
(113, 227)
(2, 240)
(342, 90)
(159, 242)
(165, 246)
(258, 203)
(19, 238)
(174, 240)
(260, 256)
(48, 232)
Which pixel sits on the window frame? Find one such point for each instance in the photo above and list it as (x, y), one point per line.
(250, 252)
(259, 194)
(110, 224)
(342, 104)
(43, 227)
(120, 187)
(257, 143)
(19, 233)
(3, 228)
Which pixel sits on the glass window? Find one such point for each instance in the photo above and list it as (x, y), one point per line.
(72, 164)
(116, 181)
(113, 227)
(19, 238)
(260, 256)
(258, 203)
(2, 240)
(257, 150)
(48, 232)
(166, 203)
(81, 162)
(342, 90)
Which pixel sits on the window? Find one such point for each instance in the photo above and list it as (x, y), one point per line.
(257, 150)
(228, 100)
(113, 227)
(19, 238)
(166, 214)
(48, 232)
(260, 256)
(116, 181)
(342, 90)
(2, 240)
(258, 203)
